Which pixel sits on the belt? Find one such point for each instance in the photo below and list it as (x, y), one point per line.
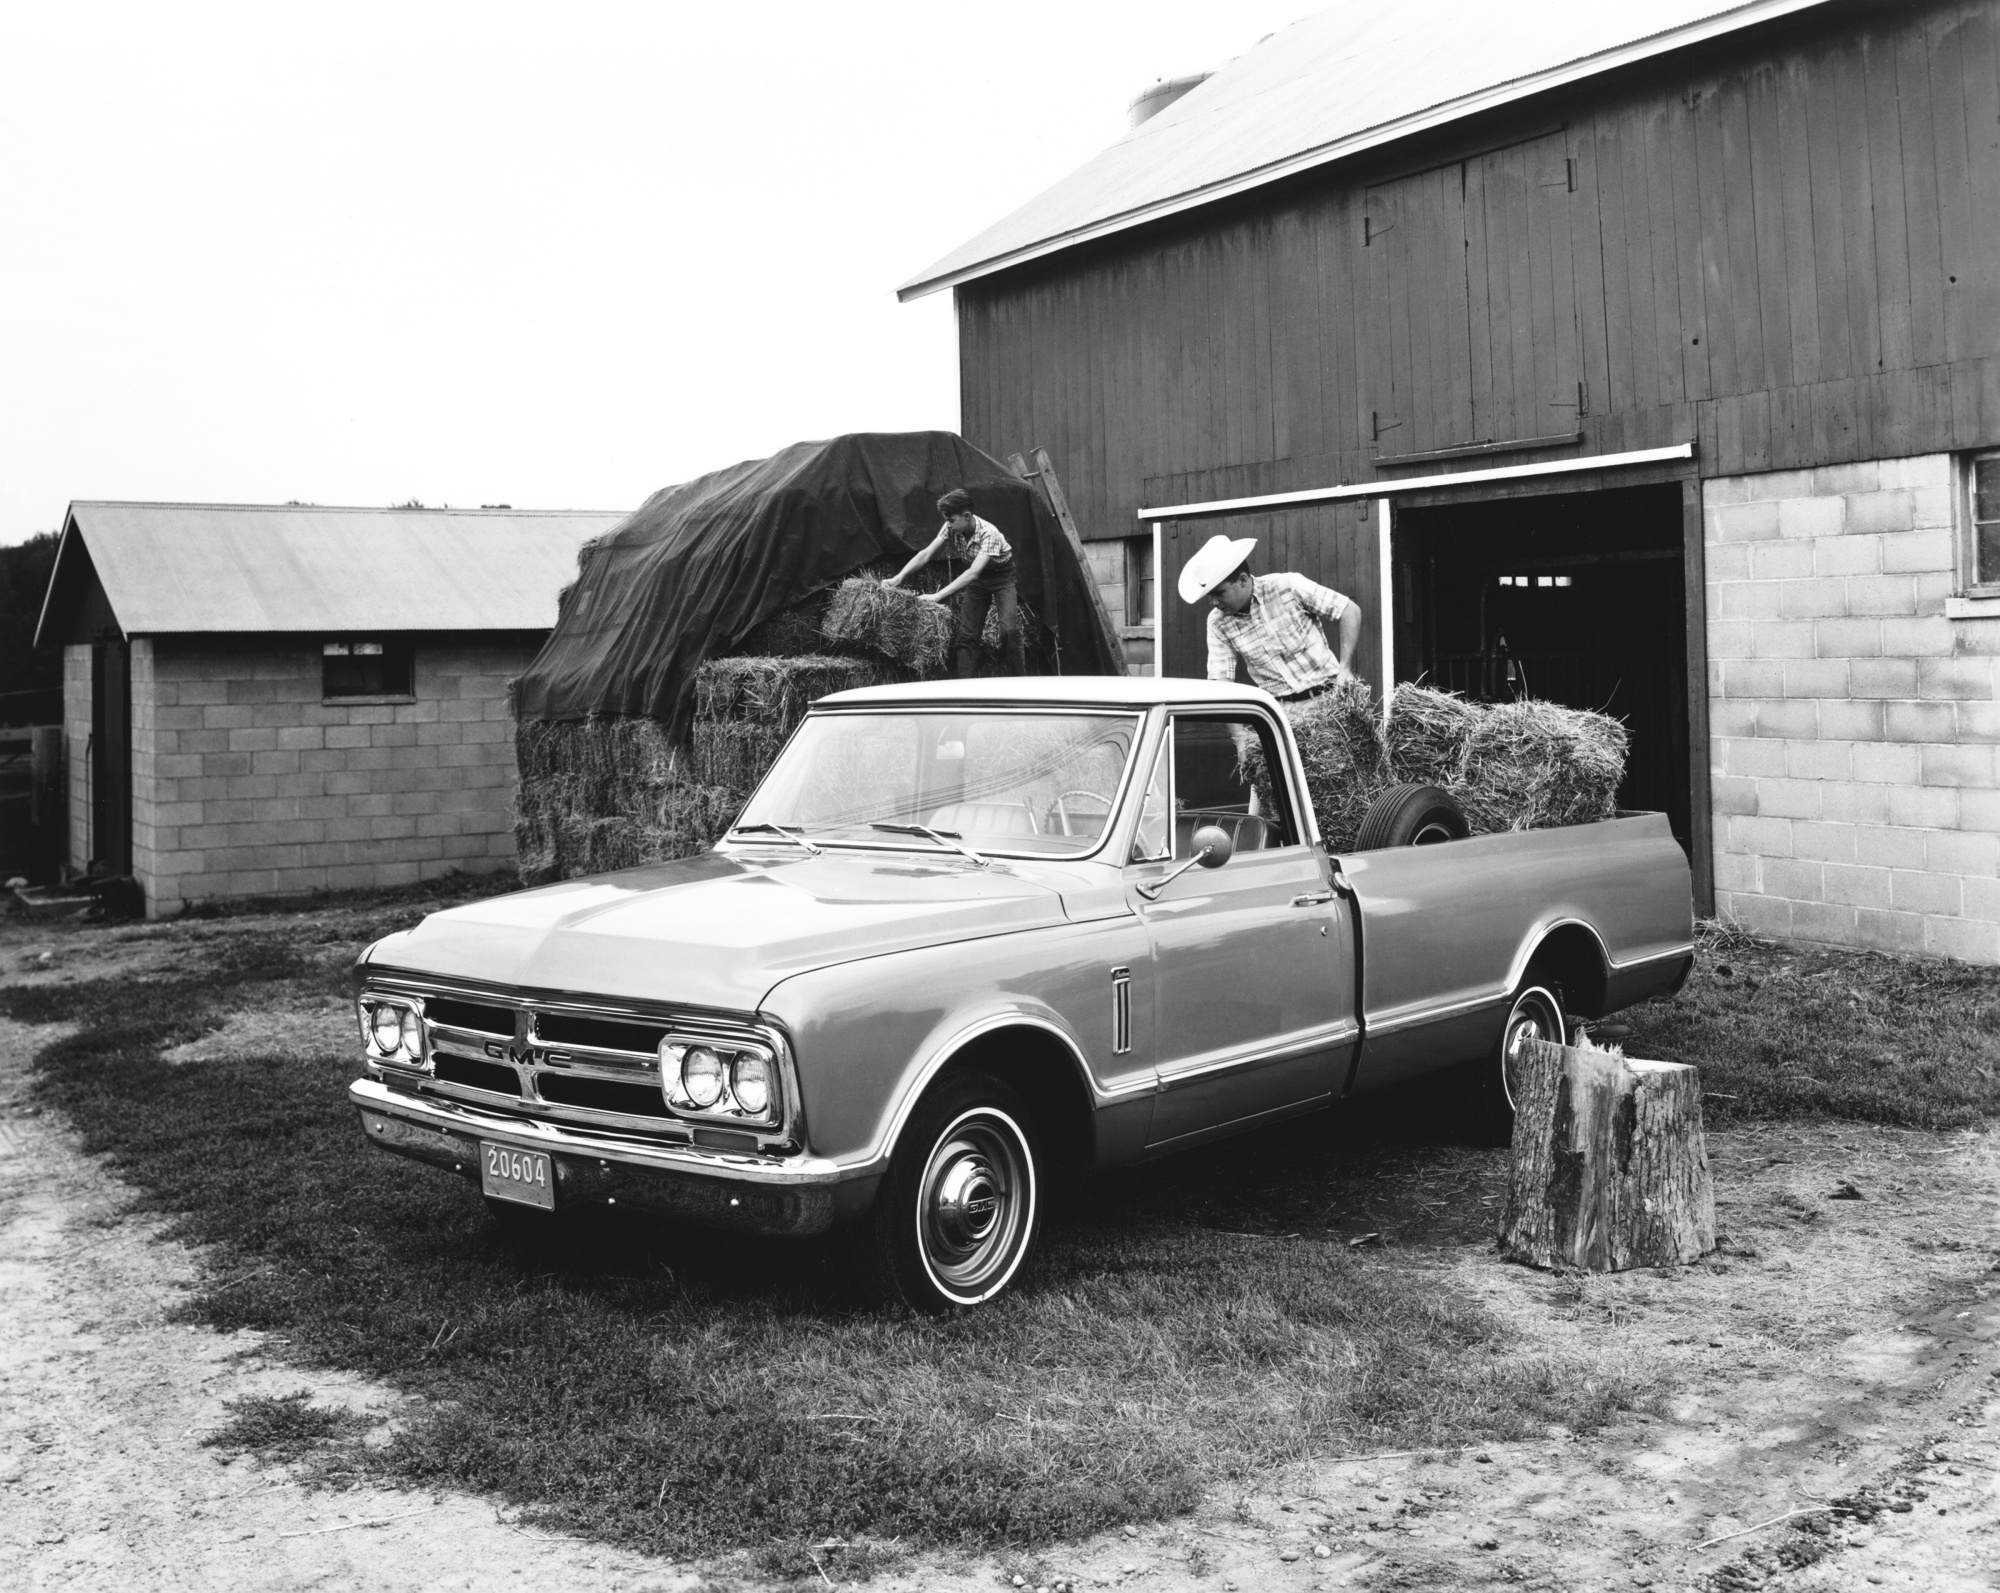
(1311, 691)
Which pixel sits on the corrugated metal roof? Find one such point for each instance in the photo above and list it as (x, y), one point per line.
(1348, 79)
(171, 568)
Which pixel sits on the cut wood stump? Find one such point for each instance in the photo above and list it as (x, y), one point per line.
(1610, 1168)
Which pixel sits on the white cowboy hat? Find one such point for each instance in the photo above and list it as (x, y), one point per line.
(1213, 563)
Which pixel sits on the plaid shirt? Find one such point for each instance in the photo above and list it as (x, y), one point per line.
(984, 537)
(1277, 636)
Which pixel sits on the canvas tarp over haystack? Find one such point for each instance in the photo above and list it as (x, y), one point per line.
(699, 566)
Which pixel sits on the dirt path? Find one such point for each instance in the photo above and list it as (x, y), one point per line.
(1835, 1350)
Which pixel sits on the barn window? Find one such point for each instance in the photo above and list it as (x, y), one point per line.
(365, 670)
(1981, 555)
(1139, 580)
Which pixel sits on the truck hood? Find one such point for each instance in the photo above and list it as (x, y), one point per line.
(719, 930)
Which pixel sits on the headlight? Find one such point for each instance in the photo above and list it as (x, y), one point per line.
(701, 1077)
(750, 1083)
(714, 1078)
(385, 1028)
(394, 1030)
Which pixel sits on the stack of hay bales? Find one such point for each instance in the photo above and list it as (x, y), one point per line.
(610, 793)
(1527, 765)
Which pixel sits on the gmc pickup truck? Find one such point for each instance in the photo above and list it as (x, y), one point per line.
(967, 937)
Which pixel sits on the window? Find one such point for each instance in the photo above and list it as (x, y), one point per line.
(365, 669)
(1139, 580)
(1980, 556)
(1227, 771)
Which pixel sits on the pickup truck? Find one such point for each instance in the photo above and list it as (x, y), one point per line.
(968, 938)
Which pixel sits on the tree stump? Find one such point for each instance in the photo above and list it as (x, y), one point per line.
(1610, 1168)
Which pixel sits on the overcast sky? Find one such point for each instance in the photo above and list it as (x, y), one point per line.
(552, 256)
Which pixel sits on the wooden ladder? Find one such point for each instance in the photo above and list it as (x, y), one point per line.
(1044, 478)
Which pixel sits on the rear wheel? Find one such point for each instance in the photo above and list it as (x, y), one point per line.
(961, 1207)
(1412, 815)
(1535, 1013)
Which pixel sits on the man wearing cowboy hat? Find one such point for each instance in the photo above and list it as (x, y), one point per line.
(1270, 622)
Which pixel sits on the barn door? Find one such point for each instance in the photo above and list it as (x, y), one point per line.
(1413, 232)
(1472, 333)
(1334, 544)
(1522, 292)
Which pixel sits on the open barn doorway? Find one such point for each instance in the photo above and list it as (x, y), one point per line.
(1577, 598)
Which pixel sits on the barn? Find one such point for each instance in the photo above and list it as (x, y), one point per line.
(272, 700)
(1644, 357)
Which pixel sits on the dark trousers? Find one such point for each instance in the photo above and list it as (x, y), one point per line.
(998, 592)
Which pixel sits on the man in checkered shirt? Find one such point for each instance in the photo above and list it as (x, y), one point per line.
(1271, 623)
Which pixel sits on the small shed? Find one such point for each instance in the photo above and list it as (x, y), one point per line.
(264, 700)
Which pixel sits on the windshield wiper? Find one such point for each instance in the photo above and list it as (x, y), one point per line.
(796, 834)
(942, 837)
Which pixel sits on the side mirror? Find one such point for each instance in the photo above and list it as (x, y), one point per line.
(1212, 846)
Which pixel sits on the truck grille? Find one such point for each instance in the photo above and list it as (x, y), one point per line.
(591, 1069)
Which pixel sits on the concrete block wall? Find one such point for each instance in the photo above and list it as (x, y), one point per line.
(76, 752)
(1853, 726)
(246, 784)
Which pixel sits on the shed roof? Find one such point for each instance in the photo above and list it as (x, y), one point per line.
(1362, 74)
(172, 568)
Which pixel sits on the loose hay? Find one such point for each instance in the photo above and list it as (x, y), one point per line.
(890, 621)
(1428, 735)
(1533, 766)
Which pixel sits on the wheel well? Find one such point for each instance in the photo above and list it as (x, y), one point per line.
(1043, 1072)
(1571, 957)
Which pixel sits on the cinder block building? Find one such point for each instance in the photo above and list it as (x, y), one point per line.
(268, 700)
(1645, 357)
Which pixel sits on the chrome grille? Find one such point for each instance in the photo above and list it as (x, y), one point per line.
(572, 1063)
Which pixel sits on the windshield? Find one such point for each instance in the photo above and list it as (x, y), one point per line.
(1037, 785)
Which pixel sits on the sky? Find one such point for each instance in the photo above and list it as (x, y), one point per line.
(552, 256)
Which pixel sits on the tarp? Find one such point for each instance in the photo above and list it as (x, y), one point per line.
(697, 567)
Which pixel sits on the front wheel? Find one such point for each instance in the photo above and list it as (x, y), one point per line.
(1536, 1013)
(961, 1207)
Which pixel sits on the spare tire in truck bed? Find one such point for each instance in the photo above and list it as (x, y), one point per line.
(1412, 815)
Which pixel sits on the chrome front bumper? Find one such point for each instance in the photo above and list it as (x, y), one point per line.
(791, 1195)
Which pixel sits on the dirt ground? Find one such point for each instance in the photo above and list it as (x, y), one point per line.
(1837, 1351)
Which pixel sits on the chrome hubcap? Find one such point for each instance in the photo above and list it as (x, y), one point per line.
(1534, 1018)
(975, 1205)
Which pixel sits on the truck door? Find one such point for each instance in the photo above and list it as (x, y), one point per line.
(1252, 999)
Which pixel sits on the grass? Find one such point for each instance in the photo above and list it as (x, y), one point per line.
(694, 1394)
(1201, 1321)
(1792, 1031)
(279, 1426)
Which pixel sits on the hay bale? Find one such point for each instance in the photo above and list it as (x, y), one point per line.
(1428, 735)
(891, 621)
(1341, 754)
(1533, 765)
(734, 753)
(774, 691)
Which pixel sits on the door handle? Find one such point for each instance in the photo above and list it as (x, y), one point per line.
(1313, 899)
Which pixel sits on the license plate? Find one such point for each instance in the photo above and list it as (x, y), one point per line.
(518, 1175)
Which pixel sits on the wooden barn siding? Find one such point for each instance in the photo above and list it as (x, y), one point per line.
(1790, 255)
